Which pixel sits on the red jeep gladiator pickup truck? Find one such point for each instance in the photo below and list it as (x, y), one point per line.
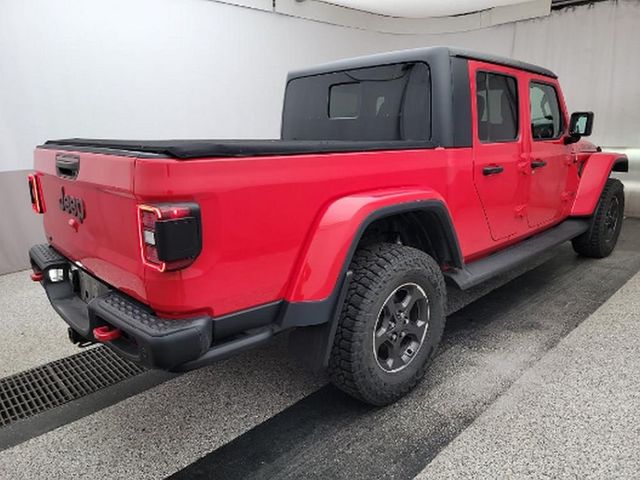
(394, 173)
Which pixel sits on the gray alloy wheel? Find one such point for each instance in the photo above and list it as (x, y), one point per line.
(401, 327)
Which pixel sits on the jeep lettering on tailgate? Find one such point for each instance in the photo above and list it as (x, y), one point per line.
(72, 205)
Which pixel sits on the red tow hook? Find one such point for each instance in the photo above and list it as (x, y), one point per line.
(106, 333)
(37, 276)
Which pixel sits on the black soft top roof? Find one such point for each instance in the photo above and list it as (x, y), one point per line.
(425, 54)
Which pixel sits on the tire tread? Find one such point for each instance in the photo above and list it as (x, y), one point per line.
(592, 243)
(371, 265)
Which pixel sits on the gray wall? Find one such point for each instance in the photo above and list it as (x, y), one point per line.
(195, 68)
(20, 227)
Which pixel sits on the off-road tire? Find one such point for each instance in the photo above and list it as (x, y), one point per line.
(377, 271)
(600, 240)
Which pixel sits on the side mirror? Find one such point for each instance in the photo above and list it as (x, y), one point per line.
(581, 124)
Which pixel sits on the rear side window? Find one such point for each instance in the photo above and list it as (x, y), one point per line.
(546, 116)
(497, 106)
(390, 102)
(344, 100)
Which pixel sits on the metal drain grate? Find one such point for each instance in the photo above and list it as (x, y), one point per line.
(47, 386)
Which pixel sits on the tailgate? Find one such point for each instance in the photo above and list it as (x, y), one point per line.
(90, 213)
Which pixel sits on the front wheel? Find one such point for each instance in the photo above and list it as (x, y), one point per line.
(602, 236)
(390, 325)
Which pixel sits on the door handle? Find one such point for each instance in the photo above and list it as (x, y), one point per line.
(67, 165)
(538, 164)
(492, 170)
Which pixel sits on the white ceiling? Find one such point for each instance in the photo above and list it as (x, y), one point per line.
(421, 8)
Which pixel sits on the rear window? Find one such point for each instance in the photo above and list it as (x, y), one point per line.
(497, 105)
(390, 102)
(344, 100)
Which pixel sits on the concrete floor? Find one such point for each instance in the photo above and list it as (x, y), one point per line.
(531, 380)
(32, 332)
(575, 414)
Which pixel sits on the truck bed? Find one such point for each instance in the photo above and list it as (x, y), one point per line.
(188, 149)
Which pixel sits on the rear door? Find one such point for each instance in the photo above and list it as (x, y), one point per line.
(498, 147)
(550, 158)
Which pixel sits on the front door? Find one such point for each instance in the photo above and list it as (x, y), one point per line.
(498, 148)
(550, 159)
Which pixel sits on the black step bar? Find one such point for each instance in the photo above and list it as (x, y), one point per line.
(481, 270)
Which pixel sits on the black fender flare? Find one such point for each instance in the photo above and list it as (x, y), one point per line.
(620, 164)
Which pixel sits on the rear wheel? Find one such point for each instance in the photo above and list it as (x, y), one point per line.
(390, 325)
(602, 236)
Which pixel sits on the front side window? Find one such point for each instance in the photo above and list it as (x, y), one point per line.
(389, 102)
(497, 107)
(546, 116)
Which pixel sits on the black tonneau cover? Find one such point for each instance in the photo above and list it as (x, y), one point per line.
(186, 149)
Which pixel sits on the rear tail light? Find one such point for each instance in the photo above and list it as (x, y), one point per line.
(35, 191)
(170, 235)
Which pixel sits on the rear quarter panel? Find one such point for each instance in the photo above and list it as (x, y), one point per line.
(259, 214)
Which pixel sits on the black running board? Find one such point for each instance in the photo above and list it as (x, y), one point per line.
(477, 272)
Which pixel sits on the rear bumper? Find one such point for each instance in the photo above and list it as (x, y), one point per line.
(176, 344)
